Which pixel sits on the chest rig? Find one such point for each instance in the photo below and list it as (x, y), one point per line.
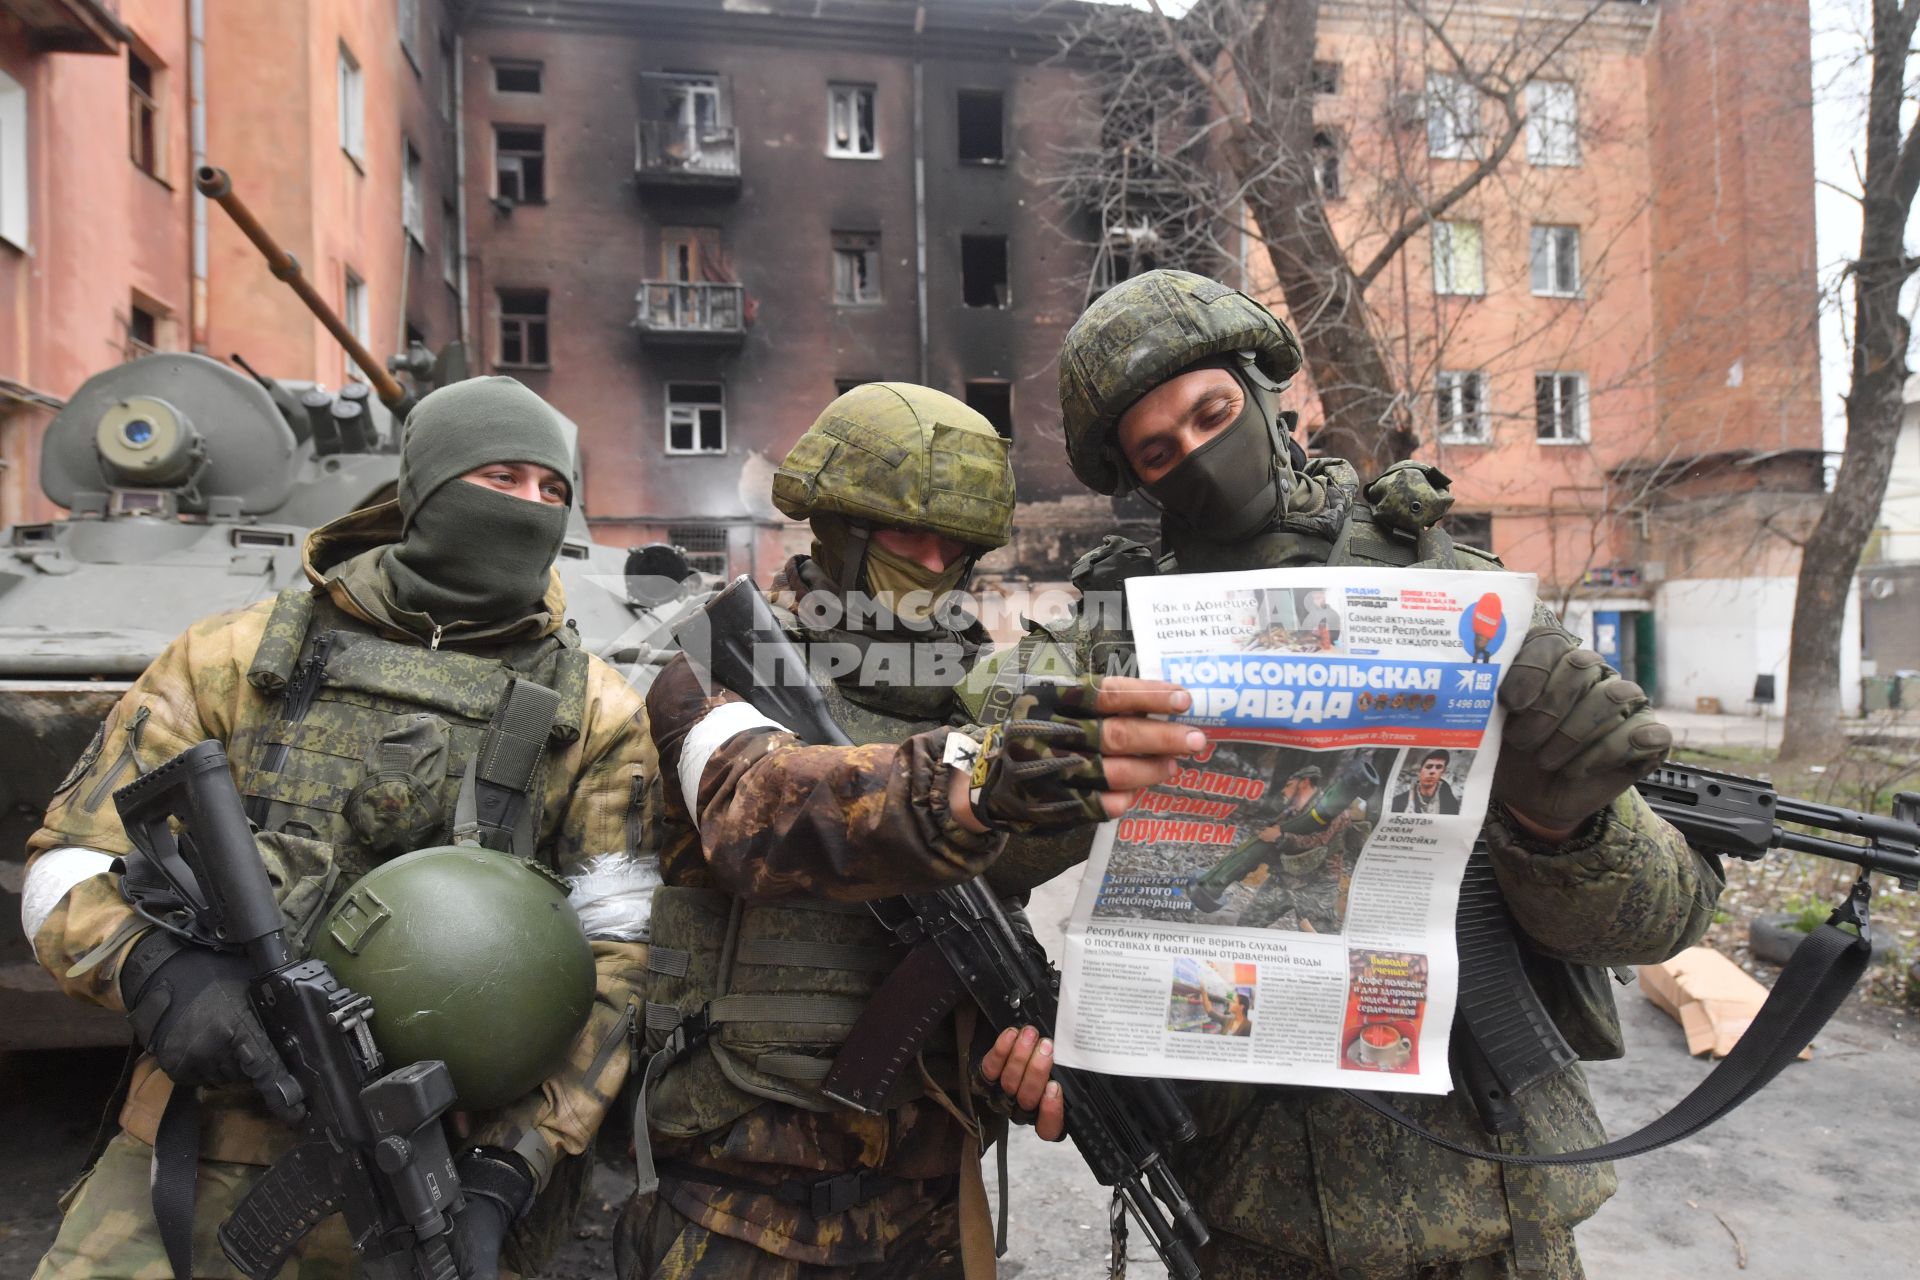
(750, 1002)
(373, 739)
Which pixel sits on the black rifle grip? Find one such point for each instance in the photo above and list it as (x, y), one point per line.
(196, 786)
(286, 1202)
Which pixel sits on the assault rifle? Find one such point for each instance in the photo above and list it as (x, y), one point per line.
(1354, 778)
(962, 944)
(372, 1144)
(1513, 1043)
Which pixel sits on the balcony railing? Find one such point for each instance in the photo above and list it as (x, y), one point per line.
(673, 152)
(674, 311)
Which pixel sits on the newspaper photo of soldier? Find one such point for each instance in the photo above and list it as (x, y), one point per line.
(1212, 997)
(1431, 780)
(1295, 620)
(1271, 844)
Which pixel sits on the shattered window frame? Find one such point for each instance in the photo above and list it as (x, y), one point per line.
(698, 411)
(845, 140)
(856, 269)
(525, 331)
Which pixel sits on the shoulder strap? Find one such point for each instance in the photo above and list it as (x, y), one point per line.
(1815, 983)
(495, 803)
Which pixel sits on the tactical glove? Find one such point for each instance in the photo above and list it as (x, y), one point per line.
(188, 1005)
(1577, 734)
(498, 1189)
(1040, 769)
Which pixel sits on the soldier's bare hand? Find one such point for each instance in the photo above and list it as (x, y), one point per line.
(1021, 1063)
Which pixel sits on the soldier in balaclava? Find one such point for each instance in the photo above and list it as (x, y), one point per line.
(1169, 386)
(421, 620)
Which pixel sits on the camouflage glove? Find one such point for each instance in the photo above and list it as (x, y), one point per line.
(189, 1007)
(1040, 769)
(1577, 734)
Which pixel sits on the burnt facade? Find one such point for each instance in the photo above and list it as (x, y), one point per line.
(690, 228)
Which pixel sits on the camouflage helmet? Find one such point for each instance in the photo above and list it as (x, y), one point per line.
(1142, 332)
(892, 453)
(469, 956)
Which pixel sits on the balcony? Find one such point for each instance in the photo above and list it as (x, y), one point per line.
(671, 153)
(676, 313)
(686, 140)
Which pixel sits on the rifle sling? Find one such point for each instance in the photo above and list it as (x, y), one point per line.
(1814, 984)
(915, 998)
(176, 1166)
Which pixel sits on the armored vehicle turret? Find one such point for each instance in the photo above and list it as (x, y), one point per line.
(189, 488)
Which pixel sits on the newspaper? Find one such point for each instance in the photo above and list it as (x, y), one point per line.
(1282, 911)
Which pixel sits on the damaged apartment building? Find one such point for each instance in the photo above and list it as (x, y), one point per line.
(706, 221)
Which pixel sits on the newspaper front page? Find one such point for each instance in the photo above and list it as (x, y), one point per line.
(1282, 911)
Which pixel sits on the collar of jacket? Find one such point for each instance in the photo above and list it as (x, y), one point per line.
(343, 560)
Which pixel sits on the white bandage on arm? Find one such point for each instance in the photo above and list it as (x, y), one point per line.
(713, 731)
(614, 896)
(52, 877)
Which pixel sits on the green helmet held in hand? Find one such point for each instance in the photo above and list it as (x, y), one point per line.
(1142, 332)
(469, 956)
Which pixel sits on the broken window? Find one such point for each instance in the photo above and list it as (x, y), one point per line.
(520, 163)
(1475, 529)
(1460, 404)
(696, 418)
(144, 139)
(413, 214)
(993, 400)
(1326, 165)
(1556, 262)
(981, 114)
(705, 545)
(983, 271)
(523, 329)
(516, 77)
(856, 268)
(143, 330)
(851, 131)
(1457, 264)
(450, 242)
(1559, 408)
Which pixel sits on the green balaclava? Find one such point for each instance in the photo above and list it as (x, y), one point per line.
(1235, 484)
(468, 553)
(888, 577)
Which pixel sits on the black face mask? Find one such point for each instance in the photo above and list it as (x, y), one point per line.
(1235, 484)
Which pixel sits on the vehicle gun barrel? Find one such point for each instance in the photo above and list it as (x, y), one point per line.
(214, 184)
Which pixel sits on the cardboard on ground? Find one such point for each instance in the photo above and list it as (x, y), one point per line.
(1711, 996)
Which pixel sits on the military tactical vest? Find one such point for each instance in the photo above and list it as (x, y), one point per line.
(373, 766)
(781, 983)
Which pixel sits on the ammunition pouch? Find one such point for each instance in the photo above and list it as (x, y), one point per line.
(751, 1002)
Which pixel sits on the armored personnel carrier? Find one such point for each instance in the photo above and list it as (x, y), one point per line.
(189, 488)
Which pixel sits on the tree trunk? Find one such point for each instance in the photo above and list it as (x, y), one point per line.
(1831, 556)
(1365, 419)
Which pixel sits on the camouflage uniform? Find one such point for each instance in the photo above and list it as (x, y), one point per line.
(777, 834)
(1303, 1183)
(1304, 879)
(221, 679)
